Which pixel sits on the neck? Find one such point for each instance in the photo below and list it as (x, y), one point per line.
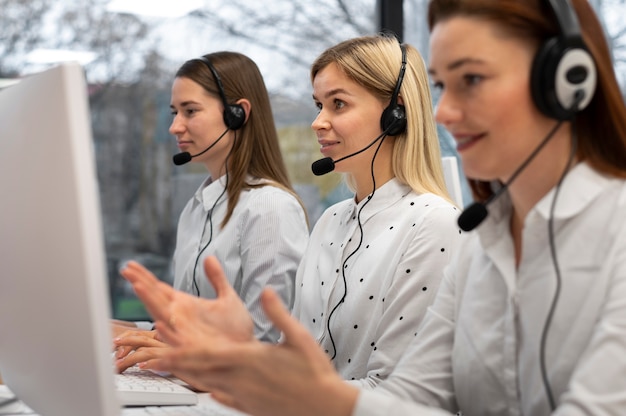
(540, 176)
(363, 183)
(215, 161)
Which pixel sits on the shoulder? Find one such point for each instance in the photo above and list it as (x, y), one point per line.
(434, 210)
(270, 200)
(269, 195)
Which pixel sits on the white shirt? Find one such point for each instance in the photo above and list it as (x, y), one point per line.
(480, 344)
(391, 279)
(261, 245)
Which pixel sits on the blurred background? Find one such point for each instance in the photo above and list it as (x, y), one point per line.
(130, 50)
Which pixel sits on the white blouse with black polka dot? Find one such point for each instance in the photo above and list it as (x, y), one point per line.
(391, 279)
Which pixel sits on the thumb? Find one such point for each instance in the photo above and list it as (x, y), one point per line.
(295, 334)
(217, 278)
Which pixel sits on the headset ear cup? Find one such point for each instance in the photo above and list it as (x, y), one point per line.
(393, 120)
(543, 79)
(234, 116)
(558, 72)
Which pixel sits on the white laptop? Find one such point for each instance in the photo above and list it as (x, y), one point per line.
(55, 340)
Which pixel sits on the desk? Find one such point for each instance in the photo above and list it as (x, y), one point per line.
(206, 406)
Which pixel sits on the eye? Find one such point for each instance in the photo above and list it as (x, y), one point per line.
(318, 105)
(339, 104)
(472, 79)
(437, 85)
(190, 111)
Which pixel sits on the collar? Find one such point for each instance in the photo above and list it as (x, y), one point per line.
(209, 191)
(580, 187)
(385, 196)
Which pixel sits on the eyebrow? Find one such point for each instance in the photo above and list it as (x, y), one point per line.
(333, 92)
(185, 103)
(459, 63)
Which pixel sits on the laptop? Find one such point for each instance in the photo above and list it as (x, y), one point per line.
(55, 340)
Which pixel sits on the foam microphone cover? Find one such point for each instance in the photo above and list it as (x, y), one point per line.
(323, 166)
(472, 216)
(181, 158)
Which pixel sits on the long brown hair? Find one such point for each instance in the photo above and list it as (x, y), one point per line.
(255, 151)
(601, 127)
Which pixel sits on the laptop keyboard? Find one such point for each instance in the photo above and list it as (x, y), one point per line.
(137, 387)
(212, 409)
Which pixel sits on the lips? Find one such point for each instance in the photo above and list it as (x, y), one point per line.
(326, 146)
(183, 144)
(465, 141)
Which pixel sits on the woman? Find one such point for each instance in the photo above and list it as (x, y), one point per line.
(374, 262)
(530, 318)
(245, 213)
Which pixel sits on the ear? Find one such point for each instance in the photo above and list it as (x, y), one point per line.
(245, 104)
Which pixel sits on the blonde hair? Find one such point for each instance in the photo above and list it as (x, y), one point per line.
(374, 63)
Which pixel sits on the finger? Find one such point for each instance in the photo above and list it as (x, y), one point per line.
(156, 297)
(161, 364)
(122, 352)
(294, 332)
(166, 332)
(125, 363)
(216, 276)
(193, 374)
(134, 272)
(137, 341)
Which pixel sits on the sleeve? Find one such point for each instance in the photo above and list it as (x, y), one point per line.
(274, 236)
(414, 286)
(376, 403)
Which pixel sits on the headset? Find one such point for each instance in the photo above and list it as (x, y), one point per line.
(563, 67)
(234, 114)
(393, 119)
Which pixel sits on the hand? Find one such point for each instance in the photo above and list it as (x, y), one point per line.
(184, 317)
(119, 327)
(294, 377)
(134, 347)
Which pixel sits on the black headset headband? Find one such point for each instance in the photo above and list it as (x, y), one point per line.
(234, 114)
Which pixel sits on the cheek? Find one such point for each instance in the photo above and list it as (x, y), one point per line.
(351, 129)
(512, 110)
(510, 120)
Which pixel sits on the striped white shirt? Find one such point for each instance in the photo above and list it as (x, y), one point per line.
(261, 245)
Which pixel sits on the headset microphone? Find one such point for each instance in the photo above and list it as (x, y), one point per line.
(181, 158)
(327, 165)
(185, 157)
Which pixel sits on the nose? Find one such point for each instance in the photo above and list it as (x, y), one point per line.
(320, 122)
(448, 110)
(177, 126)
